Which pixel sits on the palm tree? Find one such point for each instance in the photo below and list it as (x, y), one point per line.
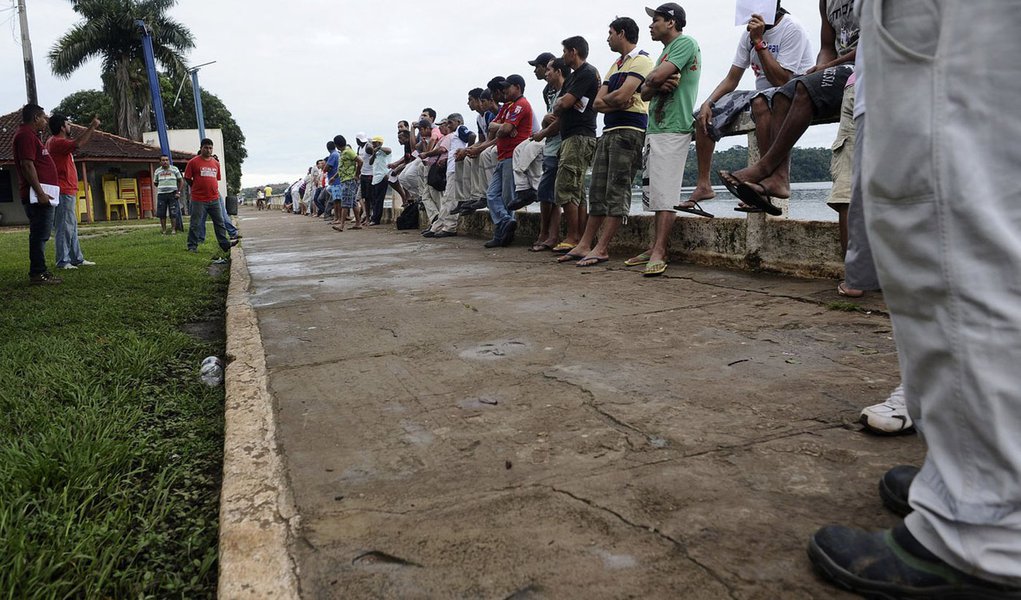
(108, 31)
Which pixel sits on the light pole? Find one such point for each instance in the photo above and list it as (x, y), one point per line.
(26, 50)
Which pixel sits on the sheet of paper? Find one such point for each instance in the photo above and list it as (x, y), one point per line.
(53, 191)
(582, 104)
(747, 8)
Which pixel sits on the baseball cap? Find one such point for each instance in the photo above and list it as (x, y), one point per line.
(498, 82)
(543, 59)
(671, 10)
(517, 80)
(377, 138)
(361, 137)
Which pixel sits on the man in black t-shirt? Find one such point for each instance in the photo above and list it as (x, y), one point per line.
(577, 115)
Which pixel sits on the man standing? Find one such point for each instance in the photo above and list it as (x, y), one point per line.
(169, 183)
(379, 161)
(365, 153)
(346, 189)
(65, 217)
(577, 113)
(514, 126)
(528, 154)
(203, 175)
(549, 213)
(619, 151)
(671, 87)
(36, 170)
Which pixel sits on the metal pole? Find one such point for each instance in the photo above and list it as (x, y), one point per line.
(199, 117)
(154, 88)
(26, 50)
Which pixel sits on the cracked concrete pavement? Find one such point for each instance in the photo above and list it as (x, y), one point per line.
(459, 422)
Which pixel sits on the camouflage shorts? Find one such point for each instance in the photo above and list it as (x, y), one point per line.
(575, 158)
(618, 157)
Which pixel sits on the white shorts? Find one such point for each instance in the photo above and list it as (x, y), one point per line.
(663, 165)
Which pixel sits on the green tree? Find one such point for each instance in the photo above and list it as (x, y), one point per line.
(82, 105)
(108, 31)
(182, 116)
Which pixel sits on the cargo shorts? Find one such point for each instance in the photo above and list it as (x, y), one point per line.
(575, 158)
(617, 158)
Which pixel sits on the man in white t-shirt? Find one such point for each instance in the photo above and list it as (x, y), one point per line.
(460, 137)
(365, 152)
(775, 53)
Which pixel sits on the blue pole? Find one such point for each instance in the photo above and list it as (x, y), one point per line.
(154, 88)
(199, 117)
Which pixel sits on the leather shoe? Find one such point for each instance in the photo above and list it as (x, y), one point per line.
(894, 486)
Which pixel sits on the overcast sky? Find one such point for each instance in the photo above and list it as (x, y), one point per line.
(296, 72)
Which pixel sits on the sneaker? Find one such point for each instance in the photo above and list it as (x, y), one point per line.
(237, 237)
(890, 417)
(893, 564)
(86, 263)
(428, 233)
(234, 242)
(219, 261)
(67, 266)
(444, 234)
(493, 243)
(46, 278)
(894, 486)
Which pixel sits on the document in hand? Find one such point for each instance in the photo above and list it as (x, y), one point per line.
(53, 191)
(747, 8)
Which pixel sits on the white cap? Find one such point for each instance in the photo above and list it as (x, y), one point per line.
(361, 137)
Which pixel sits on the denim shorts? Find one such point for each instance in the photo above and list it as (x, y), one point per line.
(548, 181)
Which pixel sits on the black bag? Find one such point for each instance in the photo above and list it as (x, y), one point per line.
(409, 216)
(437, 177)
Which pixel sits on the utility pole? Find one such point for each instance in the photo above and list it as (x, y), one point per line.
(26, 50)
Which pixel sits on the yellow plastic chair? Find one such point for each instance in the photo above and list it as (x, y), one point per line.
(128, 193)
(80, 203)
(112, 198)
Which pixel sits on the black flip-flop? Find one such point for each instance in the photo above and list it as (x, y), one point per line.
(694, 211)
(750, 195)
(590, 261)
(729, 181)
(747, 209)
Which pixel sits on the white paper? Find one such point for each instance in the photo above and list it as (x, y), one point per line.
(53, 191)
(584, 104)
(747, 8)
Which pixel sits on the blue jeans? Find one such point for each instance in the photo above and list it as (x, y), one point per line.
(40, 223)
(197, 224)
(65, 226)
(499, 195)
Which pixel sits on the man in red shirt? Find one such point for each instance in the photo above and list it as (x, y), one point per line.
(515, 126)
(38, 187)
(65, 217)
(203, 176)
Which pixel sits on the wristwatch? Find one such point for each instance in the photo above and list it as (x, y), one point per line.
(761, 45)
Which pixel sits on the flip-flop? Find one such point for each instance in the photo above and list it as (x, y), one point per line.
(540, 248)
(697, 210)
(747, 209)
(750, 195)
(729, 181)
(641, 259)
(843, 290)
(563, 248)
(654, 268)
(591, 261)
(338, 228)
(568, 257)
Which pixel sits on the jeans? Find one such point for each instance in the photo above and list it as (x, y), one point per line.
(65, 225)
(40, 223)
(499, 195)
(197, 224)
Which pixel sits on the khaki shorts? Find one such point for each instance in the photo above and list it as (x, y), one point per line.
(663, 161)
(842, 162)
(575, 159)
(617, 158)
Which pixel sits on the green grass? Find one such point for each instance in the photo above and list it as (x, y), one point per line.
(110, 446)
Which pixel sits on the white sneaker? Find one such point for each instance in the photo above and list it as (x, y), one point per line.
(69, 266)
(87, 263)
(890, 417)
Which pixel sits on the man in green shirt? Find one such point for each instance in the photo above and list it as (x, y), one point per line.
(168, 183)
(670, 90)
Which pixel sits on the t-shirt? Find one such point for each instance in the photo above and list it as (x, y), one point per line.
(332, 164)
(519, 114)
(167, 179)
(269, 191)
(348, 164)
(583, 84)
(61, 149)
(482, 124)
(673, 114)
(552, 143)
(840, 14)
(636, 64)
(204, 174)
(28, 147)
(379, 170)
(365, 152)
(549, 96)
(788, 43)
(456, 143)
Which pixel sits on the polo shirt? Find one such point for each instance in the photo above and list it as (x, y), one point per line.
(636, 64)
(166, 179)
(28, 147)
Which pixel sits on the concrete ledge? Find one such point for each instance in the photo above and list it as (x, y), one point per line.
(755, 243)
(257, 512)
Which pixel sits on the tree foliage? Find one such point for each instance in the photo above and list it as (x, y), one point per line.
(82, 105)
(108, 31)
(807, 164)
(217, 116)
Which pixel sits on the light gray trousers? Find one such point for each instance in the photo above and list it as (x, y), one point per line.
(943, 208)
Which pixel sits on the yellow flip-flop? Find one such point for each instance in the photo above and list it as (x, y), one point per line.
(641, 259)
(563, 247)
(654, 268)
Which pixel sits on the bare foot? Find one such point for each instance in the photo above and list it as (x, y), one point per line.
(338, 228)
(775, 187)
(698, 194)
(356, 227)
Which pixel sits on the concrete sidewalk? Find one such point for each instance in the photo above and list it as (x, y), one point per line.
(467, 423)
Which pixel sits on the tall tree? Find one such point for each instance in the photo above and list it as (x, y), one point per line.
(108, 31)
(82, 105)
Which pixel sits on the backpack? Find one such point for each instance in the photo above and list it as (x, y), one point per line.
(409, 216)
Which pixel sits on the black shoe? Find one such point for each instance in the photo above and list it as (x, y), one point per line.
(893, 564)
(493, 243)
(461, 206)
(894, 486)
(443, 234)
(45, 278)
(237, 237)
(522, 199)
(233, 242)
(193, 250)
(508, 233)
(428, 233)
(478, 204)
